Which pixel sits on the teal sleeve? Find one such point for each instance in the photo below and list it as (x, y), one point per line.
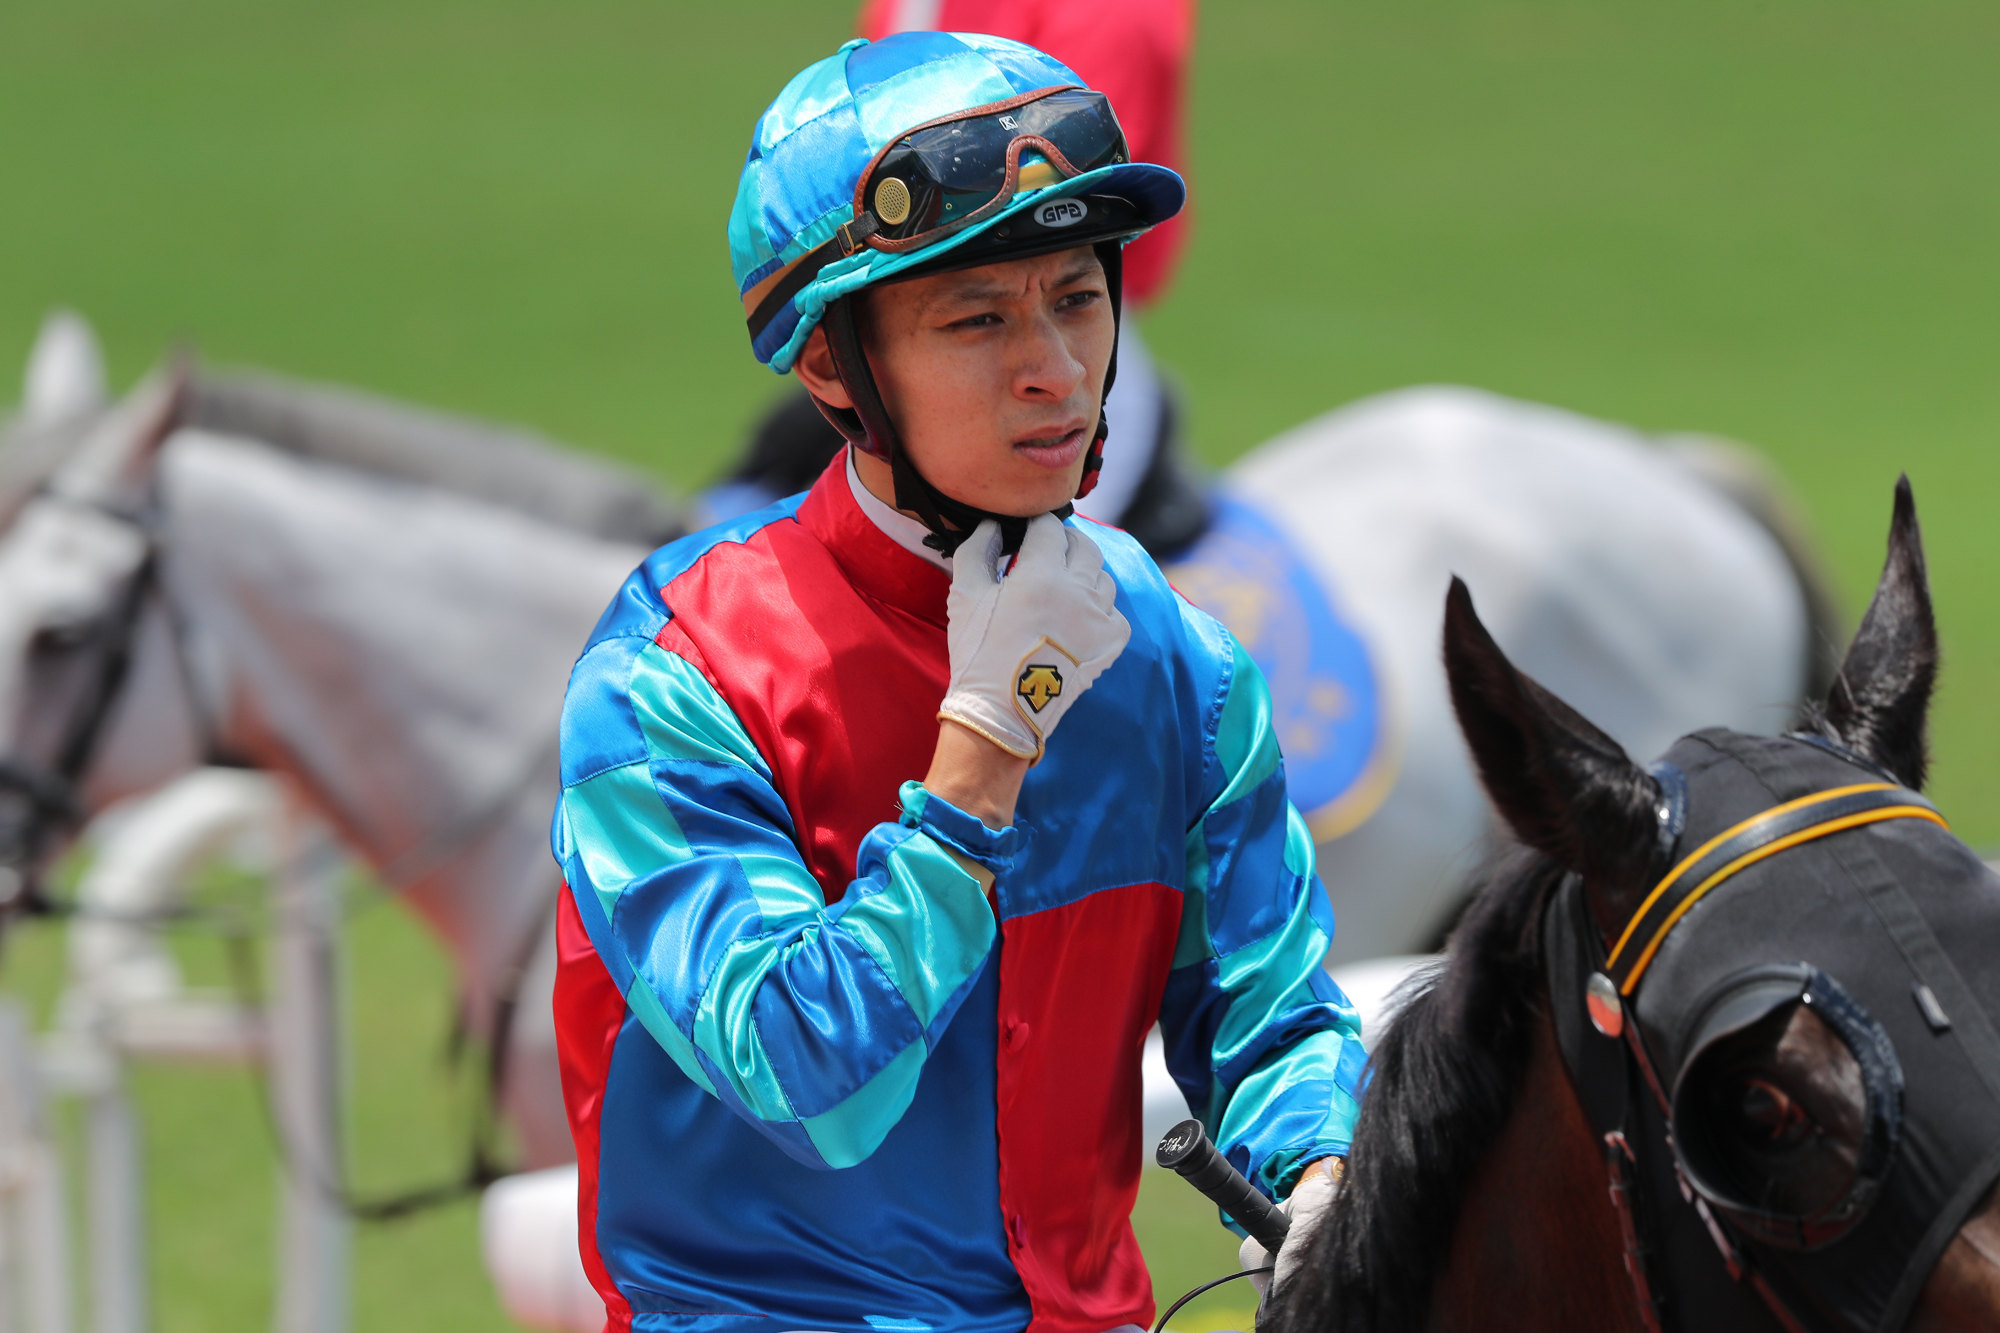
(1261, 1041)
(812, 1022)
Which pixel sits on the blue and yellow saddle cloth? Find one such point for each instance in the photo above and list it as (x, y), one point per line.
(1324, 694)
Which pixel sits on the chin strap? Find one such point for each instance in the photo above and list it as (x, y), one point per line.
(1111, 257)
(867, 426)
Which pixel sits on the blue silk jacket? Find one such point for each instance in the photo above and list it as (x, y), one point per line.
(819, 1077)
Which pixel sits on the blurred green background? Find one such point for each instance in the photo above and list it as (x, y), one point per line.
(1775, 221)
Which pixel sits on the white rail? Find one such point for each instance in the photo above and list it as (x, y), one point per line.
(126, 1003)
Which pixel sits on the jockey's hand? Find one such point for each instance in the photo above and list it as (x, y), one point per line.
(1307, 1207)
(1028, 638)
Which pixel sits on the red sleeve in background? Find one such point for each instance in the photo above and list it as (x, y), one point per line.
(1133, 51)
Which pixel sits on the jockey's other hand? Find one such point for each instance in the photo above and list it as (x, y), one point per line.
(1307, 1206)
(1029, 636)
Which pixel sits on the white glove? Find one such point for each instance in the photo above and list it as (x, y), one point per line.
(1026, 645)
(1307, 1206)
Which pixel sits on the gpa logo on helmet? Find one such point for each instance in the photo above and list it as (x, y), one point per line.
(1062, 213)
(1038, 684)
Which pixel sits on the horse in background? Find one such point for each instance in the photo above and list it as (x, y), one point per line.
(378, 604)
(1788, 1144)
(1662, 584)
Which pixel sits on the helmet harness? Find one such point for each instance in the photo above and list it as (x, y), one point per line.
(1013, 157)
(868, 426)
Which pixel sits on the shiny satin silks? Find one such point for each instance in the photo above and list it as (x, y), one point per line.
(1324, 692)
(786, 1113)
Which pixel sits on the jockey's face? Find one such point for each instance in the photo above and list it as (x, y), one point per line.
(993, 376)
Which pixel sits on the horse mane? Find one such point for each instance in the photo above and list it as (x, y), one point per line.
(1441, 1084)
(508, 466)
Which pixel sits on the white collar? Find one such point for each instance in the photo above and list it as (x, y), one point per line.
(900, 528)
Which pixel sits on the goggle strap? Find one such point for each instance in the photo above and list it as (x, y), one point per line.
(852, 235)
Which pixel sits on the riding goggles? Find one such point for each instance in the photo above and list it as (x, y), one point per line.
(950, 173)
(944, 176)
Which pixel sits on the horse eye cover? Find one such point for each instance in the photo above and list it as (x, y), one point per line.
(1739, 1003)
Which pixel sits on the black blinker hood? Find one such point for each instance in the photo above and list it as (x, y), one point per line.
(1895, 923)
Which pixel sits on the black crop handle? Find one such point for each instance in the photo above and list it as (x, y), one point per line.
(1186, 1149)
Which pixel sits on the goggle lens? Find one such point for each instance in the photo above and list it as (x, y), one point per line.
(941, 177)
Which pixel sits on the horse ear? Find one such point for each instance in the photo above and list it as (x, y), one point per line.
(110, 464)
(65, 374)
(1881, 697)
(1563, 786)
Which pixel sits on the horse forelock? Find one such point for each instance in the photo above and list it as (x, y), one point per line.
(1442, 1083)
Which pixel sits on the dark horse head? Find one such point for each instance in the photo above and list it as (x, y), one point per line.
(1715, 1049)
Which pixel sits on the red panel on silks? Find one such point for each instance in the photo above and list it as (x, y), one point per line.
(834, 667)
(735, 739)
(587, 1005)
(1079, 988)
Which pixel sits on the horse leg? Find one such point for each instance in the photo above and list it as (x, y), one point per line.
(1538, 1245)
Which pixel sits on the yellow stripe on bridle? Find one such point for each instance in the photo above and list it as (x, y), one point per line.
(1834, 825)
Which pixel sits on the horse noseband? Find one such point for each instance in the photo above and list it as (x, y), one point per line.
(33, 801)
(41, 801)
(1881, 935)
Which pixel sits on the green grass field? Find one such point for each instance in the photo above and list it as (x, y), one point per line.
(1771, 220)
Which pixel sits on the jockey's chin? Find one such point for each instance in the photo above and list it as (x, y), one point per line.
(993, 377)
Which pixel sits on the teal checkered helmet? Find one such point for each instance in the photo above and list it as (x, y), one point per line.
(832, 121)
(917, 153)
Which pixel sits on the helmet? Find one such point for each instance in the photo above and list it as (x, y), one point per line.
(924, 152)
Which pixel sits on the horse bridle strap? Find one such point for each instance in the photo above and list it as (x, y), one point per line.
(50, 791)
(1594, 994)
(1743, 845)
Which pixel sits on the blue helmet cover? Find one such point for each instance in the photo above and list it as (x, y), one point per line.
(814, 141)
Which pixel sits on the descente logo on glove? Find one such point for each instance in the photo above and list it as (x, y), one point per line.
(1028, 636)
(1039, 683)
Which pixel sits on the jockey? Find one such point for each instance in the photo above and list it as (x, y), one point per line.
(864, 933)
(1136, 52)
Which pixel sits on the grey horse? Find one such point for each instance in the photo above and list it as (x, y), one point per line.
(378, 604)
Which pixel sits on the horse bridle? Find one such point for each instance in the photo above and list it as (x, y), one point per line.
(47, 802)
(1615, 1073)
(47, 797)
